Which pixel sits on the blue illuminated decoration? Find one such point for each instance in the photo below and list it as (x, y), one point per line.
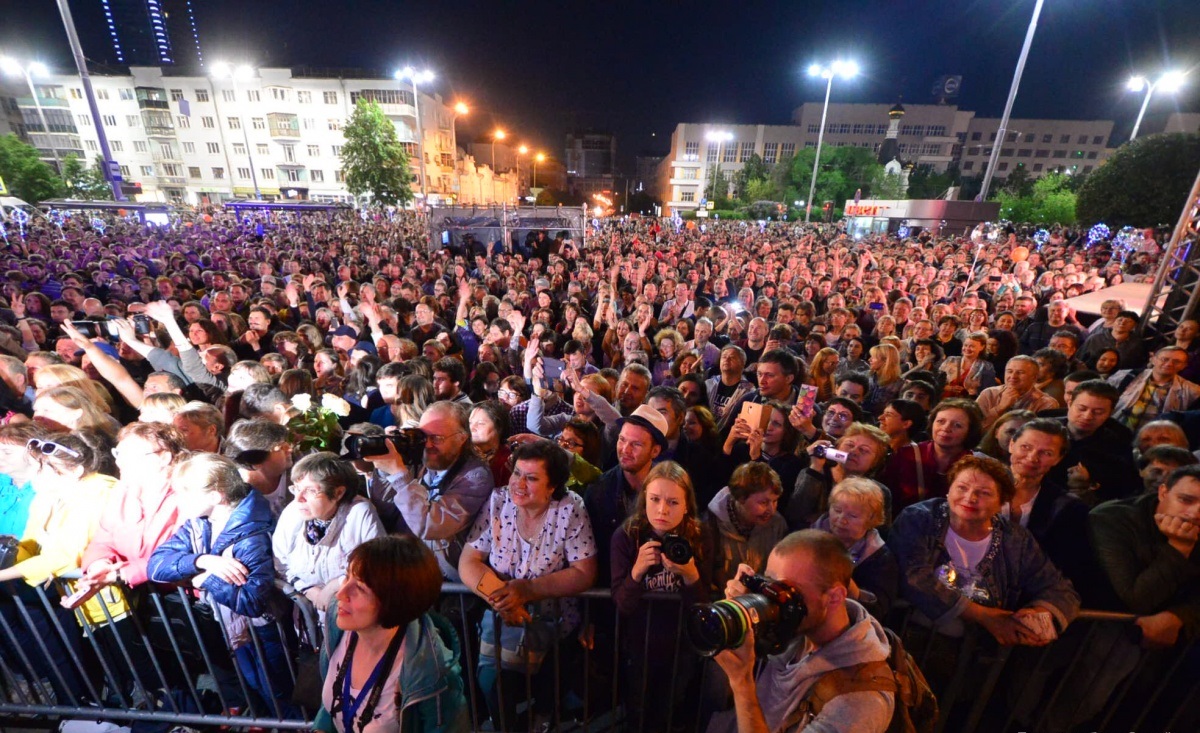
(1040, 237)
(1098, 233)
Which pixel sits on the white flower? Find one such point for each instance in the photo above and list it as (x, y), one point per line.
(335, 404)
(302, 401)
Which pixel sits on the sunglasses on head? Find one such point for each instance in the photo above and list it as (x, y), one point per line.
(50, 448)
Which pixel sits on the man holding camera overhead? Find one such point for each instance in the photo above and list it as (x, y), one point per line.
(835, 633)
(439, 498)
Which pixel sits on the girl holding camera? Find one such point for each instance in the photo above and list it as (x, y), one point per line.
(661, 548)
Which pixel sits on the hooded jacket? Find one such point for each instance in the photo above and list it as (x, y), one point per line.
(430, 693)
(730, 547)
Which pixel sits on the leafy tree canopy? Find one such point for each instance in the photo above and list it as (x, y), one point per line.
(1144, 184)
(373, 159)
(26, 175)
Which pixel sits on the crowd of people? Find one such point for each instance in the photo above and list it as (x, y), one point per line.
(328, 406)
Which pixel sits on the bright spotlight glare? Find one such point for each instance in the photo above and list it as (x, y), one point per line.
(1136, 83)
(37, 68)
(1172, 81)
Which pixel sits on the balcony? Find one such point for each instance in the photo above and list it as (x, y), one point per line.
(154, 104)
(284, 125)
(171, 180)
(172, 158)
(44, 101)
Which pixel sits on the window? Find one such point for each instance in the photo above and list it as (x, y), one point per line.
(304, 97)
(729, 154)
(201, 95)
(208, 122)
(1002, 166)
(262, 149)
(118, 147)
(253, 95)
(239, 148)
(1010, 137)
(126, 94)
(339, 176)
(309, 123)
(814, 129)
(857, 129)
(1064, 139)
(1083, 139)
(243, 172)
(770, 152)
(1029, 136)
(84, 120)
(330, 97)
(291, 175)
(1047, 138)
(258, 123)
(686, 174)
(745, 151)
(337, 151)
(219, 173)
(1092, 155)
(1006, 152)
(1037, 167)
(688, 196)
(183, 121)
(102, 94)
(176, 95)
(125, 171)
(992, 138)
(691, 151)
(193, 171)
(214, 148)
(1060, 154)
(334, 124)
(139, 146)
(1098, 140)
(147, 170)
(235, 123)
(1024, 153)
(976, 136)
(279, 94)
(317, 176)
(787, 150)
(76, 93)
(809, 145)
(314, 151)
(1042, 154)
(969, 165)
(268, 174)
(937, 130)
(93, 146)
(711, 155)
(166, 151)
(189, 148)
(228, 95)
(133, 120)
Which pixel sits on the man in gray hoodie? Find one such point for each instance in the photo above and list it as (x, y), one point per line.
(836, 633)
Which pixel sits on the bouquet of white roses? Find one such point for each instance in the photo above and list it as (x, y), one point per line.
(316, 428)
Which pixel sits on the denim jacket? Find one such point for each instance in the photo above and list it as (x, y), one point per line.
(1015, 572)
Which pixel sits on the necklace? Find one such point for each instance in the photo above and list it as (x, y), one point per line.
(530, 528)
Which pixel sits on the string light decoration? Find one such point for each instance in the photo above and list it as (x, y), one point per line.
(1126, 242)
(1040, 237)
(1098, 233)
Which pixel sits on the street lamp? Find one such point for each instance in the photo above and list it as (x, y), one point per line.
(240, 73)
(846, 70)
(719, 137)
(1171, 81)
(537, 159)
(497, 135)
(418, 77)
(12, 67)
(1012, 97)
(460, 109)
(523, 150)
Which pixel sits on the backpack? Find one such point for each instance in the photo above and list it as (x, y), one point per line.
(916, 708)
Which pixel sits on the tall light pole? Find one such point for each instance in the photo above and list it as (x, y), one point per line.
(521, 151)
(846, 70)
(1012, 97)
(234, 75)
(34, 68)
(497, 135)
(460, 109)
(1171, 81)
(537, 159)
(415, 77)
(112, 172)
(719, 137)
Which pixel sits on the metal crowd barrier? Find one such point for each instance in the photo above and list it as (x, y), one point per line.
(129, 679)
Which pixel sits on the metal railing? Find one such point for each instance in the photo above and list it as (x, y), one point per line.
(158, 664)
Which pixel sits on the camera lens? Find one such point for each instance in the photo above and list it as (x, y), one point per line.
(723, 625)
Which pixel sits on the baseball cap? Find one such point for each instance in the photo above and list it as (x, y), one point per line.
(345, 331)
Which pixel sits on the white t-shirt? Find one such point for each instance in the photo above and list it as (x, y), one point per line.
(1026, 508)
(384, 718)
(966, 554)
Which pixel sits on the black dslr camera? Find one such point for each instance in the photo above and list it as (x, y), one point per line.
(772, 608)
(409, 443)
(676, 549)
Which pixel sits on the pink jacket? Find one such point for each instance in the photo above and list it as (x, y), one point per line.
(131, 527)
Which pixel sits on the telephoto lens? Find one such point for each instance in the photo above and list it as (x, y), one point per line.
(772, 608)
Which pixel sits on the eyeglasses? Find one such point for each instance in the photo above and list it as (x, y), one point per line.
(308, 494)
(569, 444)
(50, 448)
(437, 441)
(838, 417)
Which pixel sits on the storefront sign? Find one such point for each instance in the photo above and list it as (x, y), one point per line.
(862, 210)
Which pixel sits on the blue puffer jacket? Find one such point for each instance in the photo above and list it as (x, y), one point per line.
(430, 692)
(248, 532)
(1015, 571)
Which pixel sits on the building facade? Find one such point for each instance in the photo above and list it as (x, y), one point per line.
(193, 139)
(936, 136)
(151, 32)
(591, 160)
(1183, 122)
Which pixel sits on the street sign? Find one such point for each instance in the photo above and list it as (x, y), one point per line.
(114, 170)
(712, 205)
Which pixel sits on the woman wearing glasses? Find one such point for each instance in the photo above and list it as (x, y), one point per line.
(319, 529)
(69, 496)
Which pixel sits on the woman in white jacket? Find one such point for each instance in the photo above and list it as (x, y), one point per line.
(317, 532)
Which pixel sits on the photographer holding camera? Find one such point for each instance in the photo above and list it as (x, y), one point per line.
(440, 495)
(819, 631)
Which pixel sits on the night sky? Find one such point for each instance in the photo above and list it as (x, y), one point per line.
(541, 68)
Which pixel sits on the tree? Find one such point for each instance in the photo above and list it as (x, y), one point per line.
(926, 183)
(754, 170)
(889, 187)
(716, 189)
(26, 175)
(843, 171)
(373, 158)
(1050, 201)
(1019, 183)
(83, 182)
(1144, 184)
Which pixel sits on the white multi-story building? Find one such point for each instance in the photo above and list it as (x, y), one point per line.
(195, 139)
(937, 136)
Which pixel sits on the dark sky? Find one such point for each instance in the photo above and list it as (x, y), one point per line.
(541, 68)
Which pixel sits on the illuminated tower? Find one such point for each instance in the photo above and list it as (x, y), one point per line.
(153, 32)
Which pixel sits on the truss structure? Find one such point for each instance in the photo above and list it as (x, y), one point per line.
(1178, 276)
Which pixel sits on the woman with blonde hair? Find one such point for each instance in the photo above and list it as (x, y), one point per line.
(70, 408)
(820, 373)
(857, 508)
(885, 378)
(56, 375)
(160, 407)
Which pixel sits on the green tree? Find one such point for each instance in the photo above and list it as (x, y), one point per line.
(1050, 201)
(926, 183)
(1019, 183)
(716, 188)
(1144, 184)
(754, 170)
(373, 158)
(889, 186)
(843, 171)
(26, 175)
(83, 182)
